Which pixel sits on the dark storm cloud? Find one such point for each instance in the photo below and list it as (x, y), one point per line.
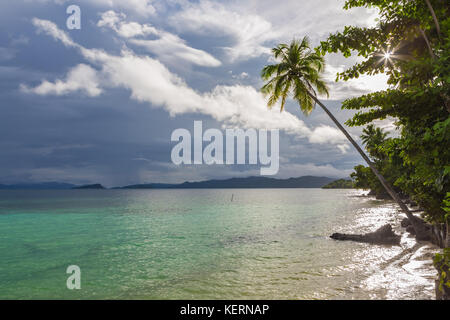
(111, 138)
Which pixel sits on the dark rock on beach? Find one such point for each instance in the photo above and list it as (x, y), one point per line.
(383, 196)
(383, 235)
(405, 223)
(425, 229)
(410, 229)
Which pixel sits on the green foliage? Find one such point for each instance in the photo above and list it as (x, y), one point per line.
(399, 32)
(339, 184)
(388, 165)
(363, 177)
(297, 72)
(442, 263)
(418, 67)
(446, 206)
(374, 138)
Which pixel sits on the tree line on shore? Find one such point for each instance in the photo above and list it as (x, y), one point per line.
(411, 45)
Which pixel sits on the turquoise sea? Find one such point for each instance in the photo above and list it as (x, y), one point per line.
(204, 244)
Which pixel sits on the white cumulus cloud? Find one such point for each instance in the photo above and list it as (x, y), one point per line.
(167, 46)
(325, 134)
(150, 81)
(116, 22)
(143, 8)
(81, 78)
(249, 31)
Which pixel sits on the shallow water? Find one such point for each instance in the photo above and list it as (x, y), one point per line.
(198, 244)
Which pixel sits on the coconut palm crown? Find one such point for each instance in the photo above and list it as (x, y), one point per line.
(298, 72)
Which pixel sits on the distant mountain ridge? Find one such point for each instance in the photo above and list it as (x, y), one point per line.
(233, 183)
(244, 183)
(38, 186)
(90, 186)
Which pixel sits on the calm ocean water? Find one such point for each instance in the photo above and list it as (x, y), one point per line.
(198, 244)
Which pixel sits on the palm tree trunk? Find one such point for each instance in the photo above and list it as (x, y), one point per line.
(421, 233)
(436, 22)
(447, 236)
(430, 49)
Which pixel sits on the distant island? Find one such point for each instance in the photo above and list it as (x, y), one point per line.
(244, 183)
(233, 183)
(38, 186)
(340, 184)
(90, 186)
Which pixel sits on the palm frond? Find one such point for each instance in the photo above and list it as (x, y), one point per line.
(302, 97)
(285, 94)
(297, 72)
(321, 87)
(268, 87)
(268, 71)
(278, 51)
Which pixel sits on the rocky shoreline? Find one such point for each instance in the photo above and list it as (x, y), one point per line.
(385, 235)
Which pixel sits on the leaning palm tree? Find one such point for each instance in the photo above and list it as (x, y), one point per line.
(373, 137)
(298, 72)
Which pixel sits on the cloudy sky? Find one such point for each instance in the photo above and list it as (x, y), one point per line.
(98, 105)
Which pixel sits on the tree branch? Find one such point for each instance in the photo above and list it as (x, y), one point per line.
(436, 22)
(430, 50)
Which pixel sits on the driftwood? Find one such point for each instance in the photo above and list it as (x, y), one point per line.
(383, 235)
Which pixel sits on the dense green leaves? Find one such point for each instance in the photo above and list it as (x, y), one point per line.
(442, 263)
(339, 184)
(411, 44)
(297, 72)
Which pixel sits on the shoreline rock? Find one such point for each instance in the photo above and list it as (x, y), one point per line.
(384, 235)
(436, 234)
